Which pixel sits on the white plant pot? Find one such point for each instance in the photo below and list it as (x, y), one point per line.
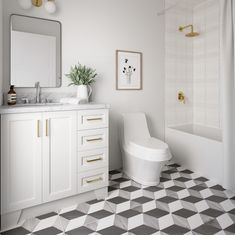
(84, 92)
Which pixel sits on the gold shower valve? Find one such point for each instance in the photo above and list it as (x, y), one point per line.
(181, 97)
(37, 3)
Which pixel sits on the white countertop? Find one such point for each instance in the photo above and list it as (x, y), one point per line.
(5, 109)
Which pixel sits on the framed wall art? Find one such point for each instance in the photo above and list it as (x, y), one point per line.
(128, 70)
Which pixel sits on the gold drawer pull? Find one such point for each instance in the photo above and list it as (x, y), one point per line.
(38, 128)
(95, 139)
(47, 127)
(94, 160)
(94, 119)
(94, 180)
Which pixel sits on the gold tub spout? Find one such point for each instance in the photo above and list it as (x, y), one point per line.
(181, 97)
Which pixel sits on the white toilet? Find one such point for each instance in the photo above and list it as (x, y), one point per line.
(143, 156)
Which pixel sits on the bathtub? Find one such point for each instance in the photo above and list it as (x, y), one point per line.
(197, 148)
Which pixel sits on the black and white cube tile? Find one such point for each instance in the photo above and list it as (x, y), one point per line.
(183, 203)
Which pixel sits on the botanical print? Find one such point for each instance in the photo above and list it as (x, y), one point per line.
(129, 70)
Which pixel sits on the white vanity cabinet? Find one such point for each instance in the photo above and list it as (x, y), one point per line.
(21, 161)
(52, 155)
(59, 155)
(92, 149)
(38, 158)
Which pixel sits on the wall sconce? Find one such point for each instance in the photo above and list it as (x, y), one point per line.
(49, 5)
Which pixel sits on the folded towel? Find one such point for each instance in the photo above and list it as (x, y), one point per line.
(72, 101)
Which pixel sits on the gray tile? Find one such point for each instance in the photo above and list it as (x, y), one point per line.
(167, 199)
(142, 200)
(94, 201)
(201, 179)
(217, 199)
(143, 230)
(72, 214)
(118, 200)
(175, 230)
(129, 213)
(212, 212)
(231, 229)
(174, 165)
(182, 179)
(162, 180)
(192, 199)
(48, 231)
(232, 211)
(186, 172)
(114, 172)
(80, 231)
(218, 187)
(100, 214)
(156, 213)
(130, 188)
(111, 188)
(185, 213)
(45, 216)
(121, 180)
(175, 188)
(197, 188)
(113, 230)
(16, 231)
(169, 172)
(206, 229)
(153, 189)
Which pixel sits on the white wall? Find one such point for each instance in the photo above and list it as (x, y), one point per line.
(92, 31)
(1, 56)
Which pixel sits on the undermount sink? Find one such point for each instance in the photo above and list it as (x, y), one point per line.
(37, 104)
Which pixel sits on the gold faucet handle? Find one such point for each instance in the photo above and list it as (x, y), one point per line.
(181, 97)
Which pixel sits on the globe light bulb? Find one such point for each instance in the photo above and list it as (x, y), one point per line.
(50, 6)
(25, 4)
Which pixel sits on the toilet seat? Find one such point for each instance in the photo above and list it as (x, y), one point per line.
(150, 149)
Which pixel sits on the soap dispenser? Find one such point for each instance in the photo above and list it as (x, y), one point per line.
(11, 96)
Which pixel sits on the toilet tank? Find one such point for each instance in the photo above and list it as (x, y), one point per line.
(134, 127)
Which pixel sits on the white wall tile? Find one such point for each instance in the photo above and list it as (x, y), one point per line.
(206, 65)
(192, 65)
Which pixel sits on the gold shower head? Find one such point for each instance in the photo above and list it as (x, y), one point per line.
(191, 34)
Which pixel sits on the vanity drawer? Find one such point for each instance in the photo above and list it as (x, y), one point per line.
(92, 119)
(93, 159)
(92, 139)
(93, 180)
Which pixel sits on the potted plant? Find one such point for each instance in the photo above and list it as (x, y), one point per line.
(82, 77)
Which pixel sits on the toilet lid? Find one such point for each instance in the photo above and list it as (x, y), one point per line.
(149, 148)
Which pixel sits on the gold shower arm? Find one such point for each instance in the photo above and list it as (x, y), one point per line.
(181, 28)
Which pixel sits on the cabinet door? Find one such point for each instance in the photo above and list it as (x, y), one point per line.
(21, 156)
(59, 155)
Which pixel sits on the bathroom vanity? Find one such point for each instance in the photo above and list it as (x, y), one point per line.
(51, 156)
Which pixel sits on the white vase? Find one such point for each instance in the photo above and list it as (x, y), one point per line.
(84, 92)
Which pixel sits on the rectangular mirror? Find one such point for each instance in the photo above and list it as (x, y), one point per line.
(35, 52)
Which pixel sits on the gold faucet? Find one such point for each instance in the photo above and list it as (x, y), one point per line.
(181, 97)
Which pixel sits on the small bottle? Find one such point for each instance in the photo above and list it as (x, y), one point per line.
(11, 96)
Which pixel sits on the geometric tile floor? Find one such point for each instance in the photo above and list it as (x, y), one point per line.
(183, 203)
